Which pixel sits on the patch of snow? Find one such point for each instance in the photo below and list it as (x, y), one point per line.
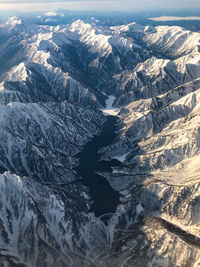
(122, 171)
(122, 157)
(50, 14)
(109, 110)
(129, 27)
(139, 209)
(123, 44)
(50, 20)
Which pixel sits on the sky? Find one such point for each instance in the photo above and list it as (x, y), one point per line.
(98, 5)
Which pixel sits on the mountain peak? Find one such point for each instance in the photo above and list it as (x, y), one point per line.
(18, 73)
(50, 14)
(12, 22)
(80, 26)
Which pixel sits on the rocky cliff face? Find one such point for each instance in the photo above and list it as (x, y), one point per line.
(53, 83)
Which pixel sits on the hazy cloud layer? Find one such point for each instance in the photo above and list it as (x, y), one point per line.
(131, 5)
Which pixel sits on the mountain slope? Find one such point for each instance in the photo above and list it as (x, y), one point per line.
(40, 140)
(41, 225)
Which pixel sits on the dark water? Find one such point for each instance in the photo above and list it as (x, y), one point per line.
(105, 199)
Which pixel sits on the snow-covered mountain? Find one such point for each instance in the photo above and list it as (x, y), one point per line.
(40, 140)
(55, 81)
(77, 56)
(158, 144)
(42, 225)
